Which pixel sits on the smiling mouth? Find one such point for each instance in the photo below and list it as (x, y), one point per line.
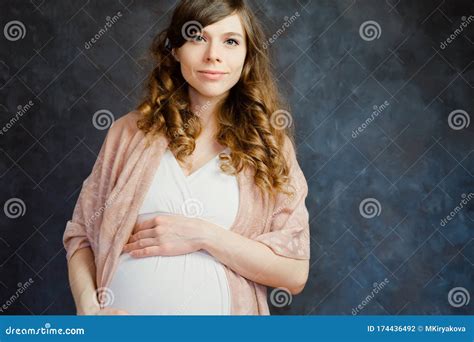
(212, 75)
(211, 72)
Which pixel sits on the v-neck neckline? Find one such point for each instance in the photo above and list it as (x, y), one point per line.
(197, 170)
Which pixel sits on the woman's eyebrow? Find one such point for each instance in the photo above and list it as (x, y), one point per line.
(227, 34)
(232, 34)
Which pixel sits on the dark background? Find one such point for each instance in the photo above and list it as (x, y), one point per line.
(409, 158)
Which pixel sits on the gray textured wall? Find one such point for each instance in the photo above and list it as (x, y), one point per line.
(378, 191)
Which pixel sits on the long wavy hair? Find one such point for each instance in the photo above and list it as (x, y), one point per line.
(251, 121)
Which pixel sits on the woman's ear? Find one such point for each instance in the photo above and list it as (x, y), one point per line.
(173, 52)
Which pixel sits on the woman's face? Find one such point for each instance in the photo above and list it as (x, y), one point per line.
(212, 62)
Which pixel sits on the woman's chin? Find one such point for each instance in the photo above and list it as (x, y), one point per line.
(210, 92)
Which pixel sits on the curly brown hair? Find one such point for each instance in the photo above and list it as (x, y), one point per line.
(249, 118)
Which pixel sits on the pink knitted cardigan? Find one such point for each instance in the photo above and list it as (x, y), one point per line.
(110, 198)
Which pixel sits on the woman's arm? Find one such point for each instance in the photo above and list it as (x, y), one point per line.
(81, 268)
(254, 260)
(177, 235)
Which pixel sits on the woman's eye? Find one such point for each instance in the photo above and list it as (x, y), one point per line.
(198, 38)
(232, 42)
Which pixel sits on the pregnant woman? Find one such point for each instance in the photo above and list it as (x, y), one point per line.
(196, 202)
(193, 283)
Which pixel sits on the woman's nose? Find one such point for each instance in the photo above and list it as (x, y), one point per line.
(213, 54)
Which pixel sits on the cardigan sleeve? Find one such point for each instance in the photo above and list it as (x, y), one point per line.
(81, 229)
(289, 233)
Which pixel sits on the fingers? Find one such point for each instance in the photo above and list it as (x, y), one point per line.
(148, 252)
(147, 233)
(147, 224)
(155, 232)
(139, 244)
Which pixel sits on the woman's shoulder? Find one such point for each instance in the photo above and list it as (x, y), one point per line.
(125, 126)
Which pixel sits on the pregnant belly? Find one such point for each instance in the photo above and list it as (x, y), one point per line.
(189, 284)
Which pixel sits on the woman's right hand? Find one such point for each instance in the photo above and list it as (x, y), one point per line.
(89, 305)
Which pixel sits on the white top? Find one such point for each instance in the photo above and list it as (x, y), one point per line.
(189, 284)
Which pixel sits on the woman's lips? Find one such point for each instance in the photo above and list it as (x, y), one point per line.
(212, 75)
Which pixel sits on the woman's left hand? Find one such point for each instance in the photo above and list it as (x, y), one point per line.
(167, 235)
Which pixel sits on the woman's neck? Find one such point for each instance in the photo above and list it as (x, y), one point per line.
(205, 108)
